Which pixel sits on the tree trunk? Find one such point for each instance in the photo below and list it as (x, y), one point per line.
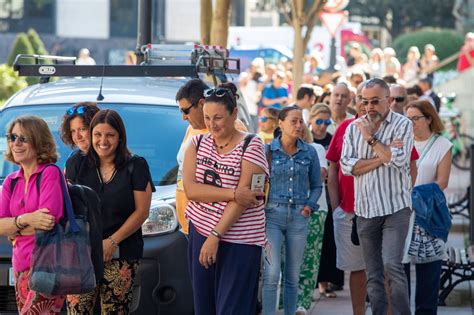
(220, 23)
(206, 20)
(298, 56)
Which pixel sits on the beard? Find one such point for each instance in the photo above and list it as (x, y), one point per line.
(375, 118)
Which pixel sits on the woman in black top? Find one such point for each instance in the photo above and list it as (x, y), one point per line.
(124, 185)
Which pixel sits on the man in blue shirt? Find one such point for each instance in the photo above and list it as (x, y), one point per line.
(275, 95)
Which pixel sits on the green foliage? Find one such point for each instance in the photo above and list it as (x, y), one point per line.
(447, 42)
(21, 45)
(10, 82)
(36, 42)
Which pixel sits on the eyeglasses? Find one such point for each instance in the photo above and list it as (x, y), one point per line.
(265, 119)
(319, 122)
(76, 110)
(219, 92)
(399, 99)
(374, 101)
(416, 118)
(12, 137)
(186, 110)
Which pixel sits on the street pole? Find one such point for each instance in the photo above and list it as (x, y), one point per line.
(471, 199)
(143, 27)
(332, 55)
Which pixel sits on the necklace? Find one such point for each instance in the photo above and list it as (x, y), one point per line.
(225, 145)
(106, 177)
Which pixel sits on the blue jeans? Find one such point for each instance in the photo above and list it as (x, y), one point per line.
(284, 223)
(427, 288)
(382, 240)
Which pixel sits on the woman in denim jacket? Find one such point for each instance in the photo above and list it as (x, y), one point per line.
(295, 187)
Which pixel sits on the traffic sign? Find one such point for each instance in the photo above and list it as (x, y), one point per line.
(333, 21)
(335, 5)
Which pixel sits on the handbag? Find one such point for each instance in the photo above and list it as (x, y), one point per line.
(61, 260)
(354, 234)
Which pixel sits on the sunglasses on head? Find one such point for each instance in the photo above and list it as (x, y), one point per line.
(12, 137)
(319, 122)
(219, 92)
(76, 110)
(186, 110)
(399, 99)
(374, 101)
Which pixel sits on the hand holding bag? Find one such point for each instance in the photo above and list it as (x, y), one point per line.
(61, 260)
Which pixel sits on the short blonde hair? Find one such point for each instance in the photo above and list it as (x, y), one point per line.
(318, 109)
(307, 136)
(39, 136)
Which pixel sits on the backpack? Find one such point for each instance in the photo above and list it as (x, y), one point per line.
(85, 203)
(247, 140)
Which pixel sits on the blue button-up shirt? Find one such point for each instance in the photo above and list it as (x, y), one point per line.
(295, 179)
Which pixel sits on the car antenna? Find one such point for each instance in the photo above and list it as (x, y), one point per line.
(100, 97)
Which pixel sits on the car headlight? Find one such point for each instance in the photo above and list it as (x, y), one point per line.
(161, 220)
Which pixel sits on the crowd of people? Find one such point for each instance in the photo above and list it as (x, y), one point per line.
(348, 161)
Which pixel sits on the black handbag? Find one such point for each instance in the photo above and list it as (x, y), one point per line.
(354, 235)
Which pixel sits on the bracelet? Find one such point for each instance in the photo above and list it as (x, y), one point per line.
(114, 243)
(372, 141)
(18, 225)
(216, 234)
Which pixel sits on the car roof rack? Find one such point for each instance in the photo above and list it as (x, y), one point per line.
(160, 61)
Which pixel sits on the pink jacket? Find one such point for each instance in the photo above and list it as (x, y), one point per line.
(19, 202)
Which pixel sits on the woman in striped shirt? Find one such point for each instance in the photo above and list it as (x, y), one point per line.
(226, 220)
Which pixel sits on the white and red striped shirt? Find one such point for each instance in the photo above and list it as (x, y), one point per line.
(223, 170)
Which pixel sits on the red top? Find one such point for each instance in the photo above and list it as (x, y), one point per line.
(346, 183)
(463, 62)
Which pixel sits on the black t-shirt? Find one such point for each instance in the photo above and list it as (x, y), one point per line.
(116, 197)
(325, 141)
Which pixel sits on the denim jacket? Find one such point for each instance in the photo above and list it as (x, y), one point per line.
(431, 210)
(295, 179)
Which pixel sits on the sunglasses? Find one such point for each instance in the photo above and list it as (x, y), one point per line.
(219, 92)
(265, 119)
(319, 122)
(399, 99)
(12, 137)
(186, 110)
(76, 110)
(375, 101)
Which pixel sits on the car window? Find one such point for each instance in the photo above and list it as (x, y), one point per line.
(154, 132)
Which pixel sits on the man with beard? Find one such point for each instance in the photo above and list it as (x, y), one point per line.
(382, 191)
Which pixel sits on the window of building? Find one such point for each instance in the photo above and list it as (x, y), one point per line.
(20, 15)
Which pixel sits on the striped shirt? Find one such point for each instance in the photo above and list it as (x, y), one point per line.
(223, 170)
(386, 189)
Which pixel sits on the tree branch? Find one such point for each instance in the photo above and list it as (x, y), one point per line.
(312, 22)
(315, 8)
(287, 16)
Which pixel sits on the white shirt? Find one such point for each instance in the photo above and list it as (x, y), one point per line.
(322, 202)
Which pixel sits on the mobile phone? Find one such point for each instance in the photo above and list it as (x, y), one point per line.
(258, 184)
(116, 254)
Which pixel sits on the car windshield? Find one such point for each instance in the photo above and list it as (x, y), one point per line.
(153, 131)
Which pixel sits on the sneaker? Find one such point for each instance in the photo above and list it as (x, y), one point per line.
(300, 311)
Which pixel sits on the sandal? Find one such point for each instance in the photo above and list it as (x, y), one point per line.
(328, 294)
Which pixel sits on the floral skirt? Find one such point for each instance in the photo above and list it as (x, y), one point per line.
(30, 302)
(114, 289)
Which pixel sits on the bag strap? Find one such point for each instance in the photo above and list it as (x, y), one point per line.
(13, 184)
(268, 154)
(66, 198)
(247, 140)
(198, 144)
(427, 148)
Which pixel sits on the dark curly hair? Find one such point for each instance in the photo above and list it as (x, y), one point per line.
(90, 109)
